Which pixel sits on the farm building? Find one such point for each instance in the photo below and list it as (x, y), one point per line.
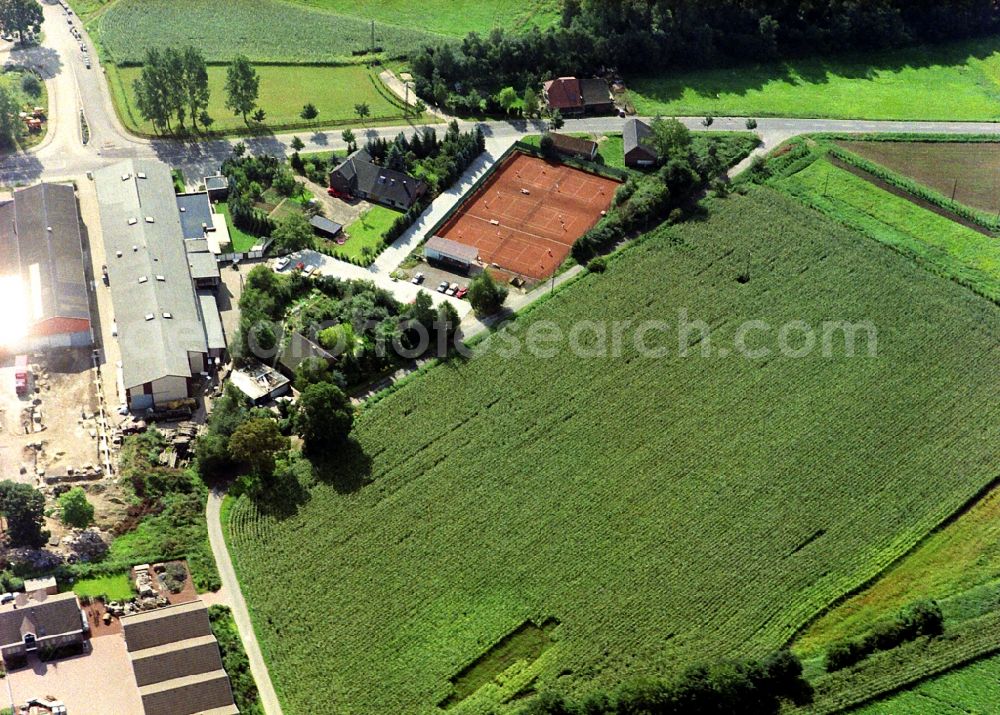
(46, 584)
(176, 662)
(203, 265)
(217, 187)
(259, 382)
(161, 326)
(299, 349)
(639, 152)
(578, 96)
(39, 620)
(574, 146)
(43, 278)
(359, 177)
(200, 221)
(325, 228)
(450, 253)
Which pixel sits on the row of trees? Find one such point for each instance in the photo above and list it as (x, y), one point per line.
(173, 85)
(749, 687)
(636, 35)
(922, 618)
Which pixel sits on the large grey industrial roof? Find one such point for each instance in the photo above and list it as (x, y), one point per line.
(195, 214)
(203, 265)
(40, 239)
(157, 313)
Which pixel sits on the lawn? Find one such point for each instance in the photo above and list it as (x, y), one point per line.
(450, 17)
(114, 588)
(662, 508)
(242, 242)
(367, 231)
(972, 689)
(943, 245)
(284, 90)
(264, 30)
(958, 81)
(969, 169)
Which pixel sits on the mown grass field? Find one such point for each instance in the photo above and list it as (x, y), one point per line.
(970, 170)
(284, 90)
(368, 231)
(972, 690)
(264, 30)
(958, 81)
(664, 509)
(938, 242)
(450, 17)
(115, 588)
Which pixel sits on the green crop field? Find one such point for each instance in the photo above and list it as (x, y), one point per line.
(972, 690)
(642, 511)
(264, 30)
(284, 90)
(450, 17)
(957, 81)
(969, 169)
(940, 243)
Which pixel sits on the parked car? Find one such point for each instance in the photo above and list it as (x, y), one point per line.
(462, 292)
(104, 275)
(417, 279)
(86, 62)
(6, 597)
(452, 289)
(442, 286)
(282, 263)
(309, 270)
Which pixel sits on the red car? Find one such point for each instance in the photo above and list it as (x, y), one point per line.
(461, 292)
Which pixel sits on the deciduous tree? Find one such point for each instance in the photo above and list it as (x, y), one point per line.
(23, 17)
(242, 87)
(323, 417)
(74, 508)
(257, 443)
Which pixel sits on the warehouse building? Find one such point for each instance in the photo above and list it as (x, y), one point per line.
(44, 287)
(176, 662)
(163, 330)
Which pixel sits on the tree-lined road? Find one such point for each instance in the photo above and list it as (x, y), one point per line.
(73, 88)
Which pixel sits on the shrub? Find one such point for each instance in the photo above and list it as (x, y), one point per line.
(31, 84)
(751, 123)
(921, 618)
(598, 265)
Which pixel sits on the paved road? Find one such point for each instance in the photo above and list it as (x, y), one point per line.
(231, 587)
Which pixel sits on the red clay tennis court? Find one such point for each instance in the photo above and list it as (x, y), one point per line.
(527, 215)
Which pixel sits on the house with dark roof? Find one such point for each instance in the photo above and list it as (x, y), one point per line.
(176, 662)
(574, 146)
(42, 262)
(360, 177)
(39, 621)
(639, 151)
(571, 95)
